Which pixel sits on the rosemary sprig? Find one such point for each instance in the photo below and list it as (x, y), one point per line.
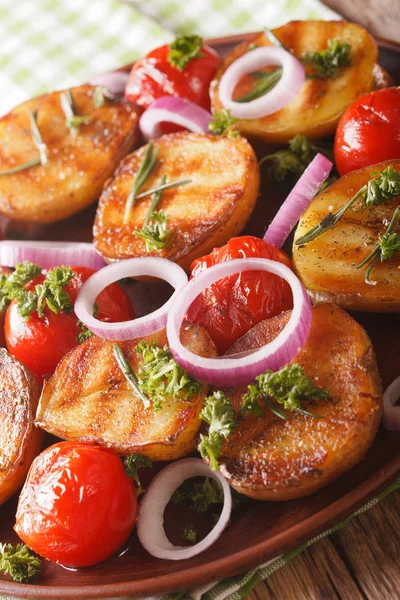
(155, 234)
(166, 186)
(275, 40)
(388, 245)
(41, 146)
(146, 167)
(155, 201)
(263, 85)
(73, 120)
(129, 374)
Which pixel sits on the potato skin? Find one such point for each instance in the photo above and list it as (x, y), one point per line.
(202, 214)
(88, 399)
(20, 440)
(327, 266)
(78, 165)
(272, 459)
(315, 112)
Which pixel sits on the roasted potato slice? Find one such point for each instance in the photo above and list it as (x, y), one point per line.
(327, 266)
(273, 459)
(315, 112)
(20, 440)
(201, 215)
(89, 399)
(79, 162)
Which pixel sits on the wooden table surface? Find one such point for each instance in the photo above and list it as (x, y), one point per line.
(359, 562)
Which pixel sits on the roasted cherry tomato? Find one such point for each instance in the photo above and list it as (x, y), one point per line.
(77, 507)
(369, 131)
(154, 76)
(232, 306)
(40, 343)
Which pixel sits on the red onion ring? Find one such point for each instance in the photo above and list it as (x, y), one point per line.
(171, 109)
(50, 254)
(298, 200)
(114, 81)
(132, 267)
(287, 88)
(391, 413)
(150, 525)
(235, 370)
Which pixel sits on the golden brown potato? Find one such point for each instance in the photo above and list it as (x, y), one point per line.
(20, 440)
(315, 112)
(89, 399)
(201, 215)
(78, 164)
(273, 459)
(327, 266)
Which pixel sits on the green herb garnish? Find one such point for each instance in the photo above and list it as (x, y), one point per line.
(101, 95)
(388, 245)
(201, 496)
(165, 186)
(189, 534)
(265, 83)
(155, 234)
(381, 189)
(328, 62)
(293, 161)
(19, 562)
(129, 374)
(183, 50)
(41, 146)
(160, 377)
(132, 464)
(146, 167)
(85, 333)
(73, 121)
(12, 284)
(219, 413)
(288, 387)
(223, 123)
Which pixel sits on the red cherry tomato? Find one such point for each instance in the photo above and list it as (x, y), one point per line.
(40, 343)
(77, 507)
(369, 131)
(154, 76)
(232, 306)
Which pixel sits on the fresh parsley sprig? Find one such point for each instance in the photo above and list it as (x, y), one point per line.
(132, 464)
(73, 121)
(19, 562)
(12, 284)
(41, 146)
(384, 187)
(156, 233)
(183, 50)
(189, 534)
(223, 123)
(50, 293)
(159, 375)
(220, 415)
(328, 62)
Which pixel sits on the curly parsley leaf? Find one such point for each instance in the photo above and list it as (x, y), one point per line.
(328, 62)
(223, 123)
(189, 534)
(219, 413)
(156, 233)
(159, 375)
(183, 50)
(200, 497)
(19, 562)
(12, 284)
(133, 463)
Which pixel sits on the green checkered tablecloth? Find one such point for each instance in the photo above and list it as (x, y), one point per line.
(49, 44)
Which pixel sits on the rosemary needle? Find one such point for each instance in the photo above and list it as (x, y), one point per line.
(41, 146)
(129, 374)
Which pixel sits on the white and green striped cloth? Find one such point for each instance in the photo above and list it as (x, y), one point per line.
(50, 44)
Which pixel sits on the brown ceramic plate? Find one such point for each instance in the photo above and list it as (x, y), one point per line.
(260, 530)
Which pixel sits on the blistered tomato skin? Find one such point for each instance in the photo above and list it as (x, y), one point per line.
(153, 76)
(77, 507)
(40, 343)
(232, 306)
(369, 131)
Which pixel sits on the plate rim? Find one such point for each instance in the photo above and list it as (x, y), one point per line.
(242, 560)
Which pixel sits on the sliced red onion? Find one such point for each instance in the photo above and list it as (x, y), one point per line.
(235, 370)
(132, 267)
(170, 109)
(114, 81)
(150, 526)
(287, 88)
(50, 254)
(298, 200)
(391, 413)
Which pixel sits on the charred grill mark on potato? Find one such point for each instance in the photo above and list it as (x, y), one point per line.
(78, 163)
(272, 459)
(201, 214)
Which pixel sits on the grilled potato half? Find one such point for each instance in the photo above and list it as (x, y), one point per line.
(20, 440)
(89, 399)
(78, 160)
(315, 112)
(327, 266)
(201, 215)
(273, 459)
